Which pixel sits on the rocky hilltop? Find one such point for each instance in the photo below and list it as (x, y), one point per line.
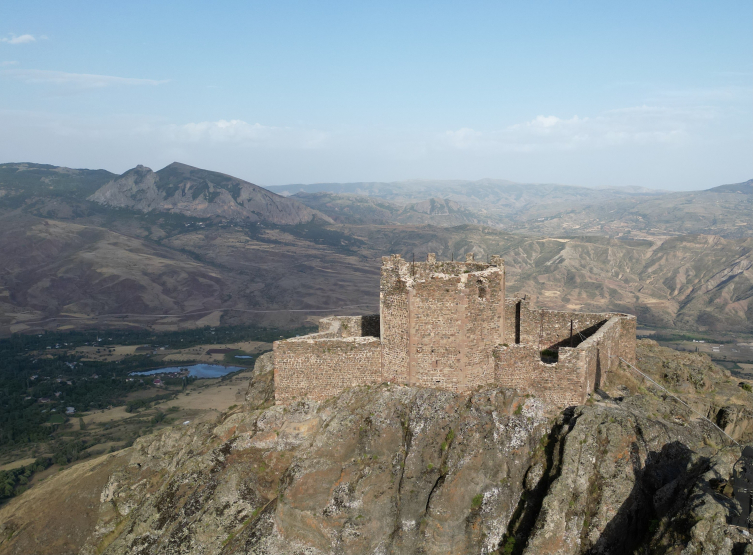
(745, 188)
(190, 191)
(393, 469)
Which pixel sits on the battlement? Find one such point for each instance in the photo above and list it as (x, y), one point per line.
(412, 270)
(449, 325)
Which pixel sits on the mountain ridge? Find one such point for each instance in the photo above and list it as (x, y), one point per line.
(682, 262)
(183, 189)
(746, 188)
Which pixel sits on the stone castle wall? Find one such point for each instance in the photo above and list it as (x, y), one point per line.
(519, 366)
(321, 368)
(522, 322)
(440, 321)
(448, 325)
(350, 326)
(343, 354)
(578, 371)
(394, 297)
(549, 329)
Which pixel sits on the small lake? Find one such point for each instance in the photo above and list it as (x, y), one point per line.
(195, 370)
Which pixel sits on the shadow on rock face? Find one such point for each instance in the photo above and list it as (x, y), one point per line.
(660, 487)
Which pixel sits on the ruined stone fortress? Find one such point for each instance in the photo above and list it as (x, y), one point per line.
(448, 325)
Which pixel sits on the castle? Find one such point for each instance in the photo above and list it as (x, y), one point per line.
(449, 325)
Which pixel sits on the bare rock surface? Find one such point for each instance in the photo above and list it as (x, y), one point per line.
(393, 469)
(261, 389)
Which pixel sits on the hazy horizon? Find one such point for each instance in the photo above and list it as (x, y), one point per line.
(645, 95)
(396, 181)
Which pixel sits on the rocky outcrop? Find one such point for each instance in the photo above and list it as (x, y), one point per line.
(394, 469)
(190, 191)
(615, 476)
(261, 389)
(709, 389)
(386, 468)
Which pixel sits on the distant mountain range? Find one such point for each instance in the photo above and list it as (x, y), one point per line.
(358, 209)
(174, 248)
(542, 209)
(497, 195)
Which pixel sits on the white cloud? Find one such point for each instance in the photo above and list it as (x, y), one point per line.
(6, 64)
(550, 121)
(242, 133)
(77, 80)
(639, 125)
(22, 39)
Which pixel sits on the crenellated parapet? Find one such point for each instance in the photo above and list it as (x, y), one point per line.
(395, 267)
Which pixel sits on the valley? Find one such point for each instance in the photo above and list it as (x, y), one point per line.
(68, 396)
(107, 275)
(72, 263)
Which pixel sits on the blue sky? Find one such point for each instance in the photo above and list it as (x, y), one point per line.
(653, 94)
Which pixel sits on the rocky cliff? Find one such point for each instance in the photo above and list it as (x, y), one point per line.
(393, 469)
(183, 189)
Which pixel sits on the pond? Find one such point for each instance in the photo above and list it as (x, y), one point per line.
(195, 370)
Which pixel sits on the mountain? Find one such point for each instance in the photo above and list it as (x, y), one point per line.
(724, 211)
(21, 182)
(404, 470)
(70, 263)
(691, 282)
(745, 188)
(351, 208)
(136, 270)
(348, 208)
(493, 195)
(190, 191)
(550, 210)
(442, 212)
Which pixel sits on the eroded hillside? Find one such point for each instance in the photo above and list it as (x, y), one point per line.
(392, 469)
(154, 271)
(169, 249)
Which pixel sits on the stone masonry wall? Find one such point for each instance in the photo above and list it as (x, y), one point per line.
(549, 329)
(615, 339)
(393, 312)
(521, 322)
(562, 384)
(601, 350)
(555, 326)
(440, 321)
(448, 325)
(578, 371)
(319, 368)
(628, 325)
(483, 321)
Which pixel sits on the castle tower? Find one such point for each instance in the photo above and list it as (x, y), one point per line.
(440, 321)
